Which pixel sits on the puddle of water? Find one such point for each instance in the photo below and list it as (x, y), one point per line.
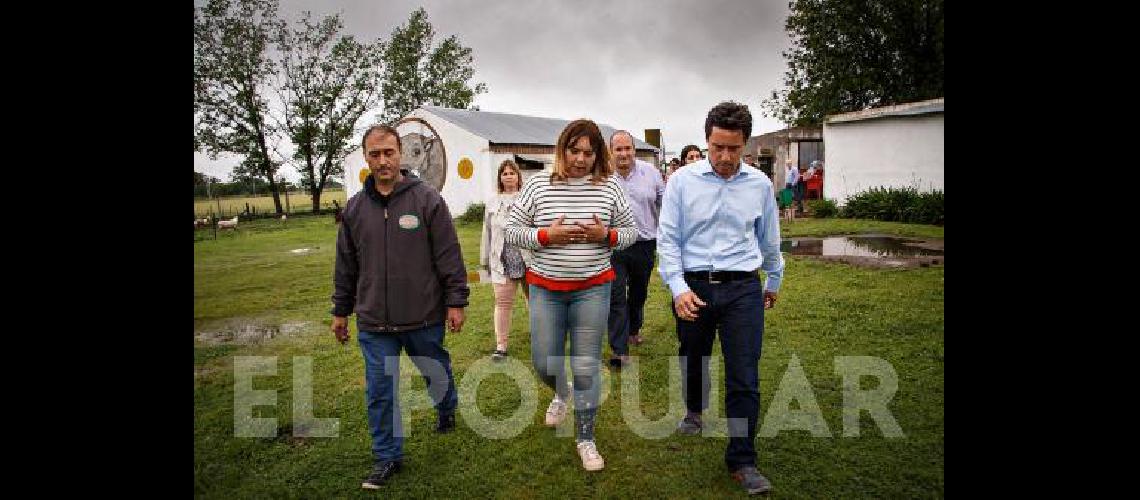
(884, 247)
(249, 332)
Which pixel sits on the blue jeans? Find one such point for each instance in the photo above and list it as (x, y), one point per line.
(582, 314)
(382, 376)
(736, 308)
(632, 267)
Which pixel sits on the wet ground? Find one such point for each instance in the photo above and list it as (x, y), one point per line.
(248, 332)
(870, 250)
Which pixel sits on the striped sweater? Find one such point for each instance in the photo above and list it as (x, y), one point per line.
(577, 265)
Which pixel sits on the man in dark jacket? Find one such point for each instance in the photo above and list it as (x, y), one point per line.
(399, 268)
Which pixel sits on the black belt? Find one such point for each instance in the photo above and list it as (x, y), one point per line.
(719, 276)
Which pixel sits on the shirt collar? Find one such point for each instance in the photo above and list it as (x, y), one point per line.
(703, 167)
(632, 172)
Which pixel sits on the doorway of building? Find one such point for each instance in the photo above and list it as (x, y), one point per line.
(811, 151)
(764, 163)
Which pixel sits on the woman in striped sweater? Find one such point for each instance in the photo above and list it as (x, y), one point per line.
(572, 219)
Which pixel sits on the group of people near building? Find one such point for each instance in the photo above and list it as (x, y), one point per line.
(581, 242)
(797, 182)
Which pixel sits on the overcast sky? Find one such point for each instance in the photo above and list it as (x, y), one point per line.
(632, 64)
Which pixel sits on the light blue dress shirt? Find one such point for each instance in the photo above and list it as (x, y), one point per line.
(708, 223)
(643, 190)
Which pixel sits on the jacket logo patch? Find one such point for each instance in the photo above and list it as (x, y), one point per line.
(409, 221)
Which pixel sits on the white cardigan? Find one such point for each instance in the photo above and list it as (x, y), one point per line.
(495, 216)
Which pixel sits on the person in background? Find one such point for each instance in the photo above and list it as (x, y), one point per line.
(643, 187)
(691, 153)
(792, 181)
(674, 164)
(502, 264)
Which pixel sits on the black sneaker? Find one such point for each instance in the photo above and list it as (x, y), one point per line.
(498, 355)
(690, 425)
(381, 471)
(445, 423)
(751, 480)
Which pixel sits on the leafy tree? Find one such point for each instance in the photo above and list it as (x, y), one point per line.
(232, 69)
(849, 55)
(326, 84)
(415, 74)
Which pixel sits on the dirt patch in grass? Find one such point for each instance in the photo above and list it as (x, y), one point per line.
(249, 331)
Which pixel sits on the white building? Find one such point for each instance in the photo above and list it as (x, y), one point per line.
(458, 151)
(892, 146)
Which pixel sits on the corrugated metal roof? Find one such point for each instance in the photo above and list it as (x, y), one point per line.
(906, 109)
(505, 128)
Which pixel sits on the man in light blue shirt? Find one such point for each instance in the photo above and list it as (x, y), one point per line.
(791, 175)
(633, 266)
(718, 226)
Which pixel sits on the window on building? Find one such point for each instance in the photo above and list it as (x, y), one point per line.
(810, 151)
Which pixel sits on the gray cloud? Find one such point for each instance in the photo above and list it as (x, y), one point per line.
(632, 64)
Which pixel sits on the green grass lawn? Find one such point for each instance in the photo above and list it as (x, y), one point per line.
(825, 310)
(819, 227)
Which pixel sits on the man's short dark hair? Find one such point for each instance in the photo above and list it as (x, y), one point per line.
(382, 129)
(729, 115)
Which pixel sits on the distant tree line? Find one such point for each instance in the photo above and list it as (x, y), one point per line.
(262, 83)
(246, 186)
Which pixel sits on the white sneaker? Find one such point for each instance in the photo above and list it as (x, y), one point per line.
(591, 459)
(555, 413)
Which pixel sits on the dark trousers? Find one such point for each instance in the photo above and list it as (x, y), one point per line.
(627, 308)
(736, 308)
(801, 193)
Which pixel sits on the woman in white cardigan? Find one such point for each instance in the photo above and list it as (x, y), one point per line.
(503, 264)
